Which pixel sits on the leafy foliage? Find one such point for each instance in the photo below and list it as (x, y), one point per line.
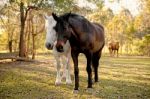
(144, 46)
(122, 27)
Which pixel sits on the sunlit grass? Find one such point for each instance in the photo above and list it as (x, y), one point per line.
(120, 78)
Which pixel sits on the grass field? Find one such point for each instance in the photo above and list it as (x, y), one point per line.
(125, 77)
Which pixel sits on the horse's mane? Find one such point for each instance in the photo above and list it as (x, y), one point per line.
(78, 18)
(71, 15)
(85, 23)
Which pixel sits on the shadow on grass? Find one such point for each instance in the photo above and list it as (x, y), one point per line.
(36, 81)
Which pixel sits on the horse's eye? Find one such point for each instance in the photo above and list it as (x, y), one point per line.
(65, 35)
(65, 28)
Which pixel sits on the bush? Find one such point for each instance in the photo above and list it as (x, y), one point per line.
(144, 46)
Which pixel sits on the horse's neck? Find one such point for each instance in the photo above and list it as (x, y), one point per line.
(77, 27)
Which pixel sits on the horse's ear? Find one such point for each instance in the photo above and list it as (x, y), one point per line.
(55, 17)
(45, 16)
(68, 15)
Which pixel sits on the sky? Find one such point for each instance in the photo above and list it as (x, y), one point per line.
(132, 5)
(84, 3)
(2, 2)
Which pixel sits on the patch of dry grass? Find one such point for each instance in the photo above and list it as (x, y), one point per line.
(120, 78)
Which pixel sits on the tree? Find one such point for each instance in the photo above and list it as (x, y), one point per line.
(25, 6)
(10, 26)
(142, 25)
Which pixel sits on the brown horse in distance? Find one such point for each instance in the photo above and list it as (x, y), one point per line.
(113, 48)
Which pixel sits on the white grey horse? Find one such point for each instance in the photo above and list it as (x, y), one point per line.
(64, 56)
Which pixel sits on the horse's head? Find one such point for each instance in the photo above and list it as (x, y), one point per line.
(50, 32)
(63, 30)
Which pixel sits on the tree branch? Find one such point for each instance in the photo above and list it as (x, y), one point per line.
(29, 8)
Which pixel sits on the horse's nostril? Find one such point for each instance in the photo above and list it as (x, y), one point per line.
(60, 49)
(49, 46)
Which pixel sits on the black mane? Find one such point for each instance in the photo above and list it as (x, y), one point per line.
(73, 15)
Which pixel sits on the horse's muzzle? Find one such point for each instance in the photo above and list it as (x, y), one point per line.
(59, 46)
(49, 46)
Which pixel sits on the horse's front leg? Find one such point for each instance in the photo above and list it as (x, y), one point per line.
(114, 53)
(68, 75)
(75, 55)
(58, 67)
(64, 61)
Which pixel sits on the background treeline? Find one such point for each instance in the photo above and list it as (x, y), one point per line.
(22, 25)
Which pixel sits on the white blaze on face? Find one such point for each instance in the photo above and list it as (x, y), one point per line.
(51, 33)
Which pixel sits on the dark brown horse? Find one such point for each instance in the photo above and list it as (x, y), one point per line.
(113, 48)
(84, 37)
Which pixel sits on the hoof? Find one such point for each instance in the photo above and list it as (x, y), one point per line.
(63, 77)
(75, 91)
(92, 81)
(57, 83)
(89, 90)
(68, 82)
(96, 81)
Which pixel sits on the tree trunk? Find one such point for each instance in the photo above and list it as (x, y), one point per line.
(27, 31)
(33, 40)
(15, 45)
(121, 48)
(22, 41)
(10, 46)
(33, 46)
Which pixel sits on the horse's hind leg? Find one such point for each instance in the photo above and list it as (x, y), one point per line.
(89, 68)
(117, 52)
(75, 55)
(58, 67)
(95, 64)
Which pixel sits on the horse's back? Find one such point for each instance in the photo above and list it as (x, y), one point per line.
(113, 45)
(91, 35)
(100, 26)
(99, 35)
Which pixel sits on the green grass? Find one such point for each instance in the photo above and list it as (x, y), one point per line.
(120, 78)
